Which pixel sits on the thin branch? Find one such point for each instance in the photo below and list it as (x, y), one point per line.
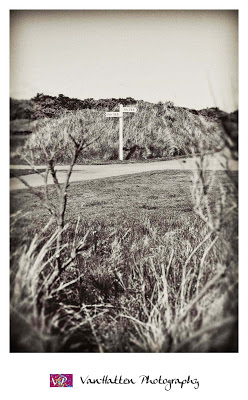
(54, 176)
(33, 166)
(27, 185)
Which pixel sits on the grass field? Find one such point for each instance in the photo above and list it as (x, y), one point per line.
(111, 199)
(151, 276)
(163, 196)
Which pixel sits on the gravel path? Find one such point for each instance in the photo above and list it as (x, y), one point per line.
(90, 172)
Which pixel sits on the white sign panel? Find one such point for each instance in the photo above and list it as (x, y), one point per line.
(130, 109)
(113, 114)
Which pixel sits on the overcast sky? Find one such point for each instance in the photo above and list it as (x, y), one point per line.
(188, 57)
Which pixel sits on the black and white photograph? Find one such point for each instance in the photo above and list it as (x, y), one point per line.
(124, 181)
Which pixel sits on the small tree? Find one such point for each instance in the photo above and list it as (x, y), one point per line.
(51, 139)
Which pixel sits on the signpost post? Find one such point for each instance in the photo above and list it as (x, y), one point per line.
(120, 116)
(121, 133)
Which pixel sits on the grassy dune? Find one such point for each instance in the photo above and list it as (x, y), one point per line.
(155, 131)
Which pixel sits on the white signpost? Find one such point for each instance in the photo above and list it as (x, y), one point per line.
(120, 116)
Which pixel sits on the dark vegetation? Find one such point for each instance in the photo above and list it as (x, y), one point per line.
(45, 106)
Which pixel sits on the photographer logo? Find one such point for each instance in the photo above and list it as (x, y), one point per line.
(61, 380)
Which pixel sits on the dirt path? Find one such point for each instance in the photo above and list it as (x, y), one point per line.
(90, 172)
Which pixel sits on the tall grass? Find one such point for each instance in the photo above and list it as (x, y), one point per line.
(40, 320)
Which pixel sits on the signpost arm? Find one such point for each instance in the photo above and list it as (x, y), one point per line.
(121, 133)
